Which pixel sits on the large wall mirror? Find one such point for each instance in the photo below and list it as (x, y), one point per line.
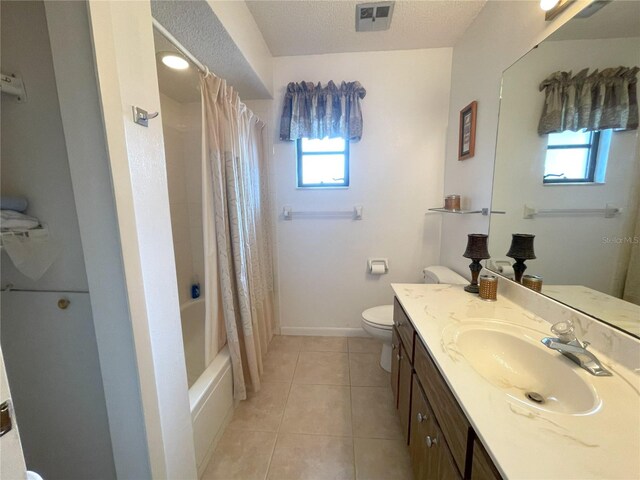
(576, 189)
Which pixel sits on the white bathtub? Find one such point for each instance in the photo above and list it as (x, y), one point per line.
(210, 388)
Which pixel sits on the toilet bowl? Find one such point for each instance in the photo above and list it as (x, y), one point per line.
(378, 321)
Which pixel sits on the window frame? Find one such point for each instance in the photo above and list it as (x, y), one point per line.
(592, 160)
(300, 154)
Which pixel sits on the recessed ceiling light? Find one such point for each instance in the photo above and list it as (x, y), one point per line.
(547, 5)
(174, 60)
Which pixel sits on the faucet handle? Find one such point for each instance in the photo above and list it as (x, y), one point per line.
(564, 330)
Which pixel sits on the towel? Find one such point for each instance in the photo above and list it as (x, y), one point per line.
(11, 221)
(32, 255)
(17, 204)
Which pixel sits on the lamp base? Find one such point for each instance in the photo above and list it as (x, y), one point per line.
(472, 288)
(475, 268)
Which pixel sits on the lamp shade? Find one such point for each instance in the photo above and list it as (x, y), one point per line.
(522, 246)
(477, 246)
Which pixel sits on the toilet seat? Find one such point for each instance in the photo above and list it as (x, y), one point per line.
(379, 317)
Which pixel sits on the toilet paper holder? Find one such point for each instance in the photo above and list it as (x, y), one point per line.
(377, 266)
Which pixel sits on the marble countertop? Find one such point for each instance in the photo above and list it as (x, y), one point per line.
(526, 442)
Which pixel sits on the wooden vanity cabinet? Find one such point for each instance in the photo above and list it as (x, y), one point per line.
(395, 364)
(402, 366)
(430, 455)
(429, 411)
(404, 392)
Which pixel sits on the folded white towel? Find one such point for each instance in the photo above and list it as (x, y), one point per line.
(11, 221)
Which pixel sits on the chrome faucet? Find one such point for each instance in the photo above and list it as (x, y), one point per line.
(567, 344)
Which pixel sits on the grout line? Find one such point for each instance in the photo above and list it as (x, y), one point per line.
(286, 402)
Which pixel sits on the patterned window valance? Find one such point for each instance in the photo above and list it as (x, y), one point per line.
(314, 111)
(602, 100)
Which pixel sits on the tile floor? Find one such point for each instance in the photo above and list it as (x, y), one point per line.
(325, 411)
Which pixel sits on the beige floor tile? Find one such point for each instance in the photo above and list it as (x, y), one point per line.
(374, 414)
(322, 368)
(284, 343)
(279, 366)
(241, 455)
(312, 457)
(262, 411)
(324, 344)
(364, 345)
(318, 409)
(366, 371)
(379, 459)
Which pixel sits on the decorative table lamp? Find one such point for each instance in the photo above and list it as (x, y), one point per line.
(476, 251)
(521, 250)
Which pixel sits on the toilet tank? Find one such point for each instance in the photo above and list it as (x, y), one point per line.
(441, 274)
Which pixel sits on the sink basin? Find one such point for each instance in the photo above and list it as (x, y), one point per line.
(512, 359)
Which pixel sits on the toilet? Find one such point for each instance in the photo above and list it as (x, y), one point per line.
(378, 321)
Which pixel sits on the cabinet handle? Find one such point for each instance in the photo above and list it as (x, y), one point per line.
(431, 441)
(399, 357)
(393, 346)
(421, 418)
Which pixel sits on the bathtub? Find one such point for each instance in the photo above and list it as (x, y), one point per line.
(210, 388)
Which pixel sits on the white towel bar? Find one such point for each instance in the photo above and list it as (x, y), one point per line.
(609, 211)
(355, 214)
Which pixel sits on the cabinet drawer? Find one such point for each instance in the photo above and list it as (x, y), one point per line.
(405, 329)
(449, 416)
(430, 455)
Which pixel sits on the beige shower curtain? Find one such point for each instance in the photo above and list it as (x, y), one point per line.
(237, 232)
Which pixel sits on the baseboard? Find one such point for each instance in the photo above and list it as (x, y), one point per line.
(324, 331)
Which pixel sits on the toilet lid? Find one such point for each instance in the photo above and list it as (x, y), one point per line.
(381, 315)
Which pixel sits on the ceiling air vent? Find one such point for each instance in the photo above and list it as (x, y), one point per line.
(373, 17)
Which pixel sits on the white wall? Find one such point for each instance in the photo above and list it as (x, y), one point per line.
(182, 130)
(560, 241)
(396, 174)
(502, 32)
(51, 354)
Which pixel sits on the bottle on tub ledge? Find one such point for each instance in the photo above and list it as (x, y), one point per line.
(195, 288)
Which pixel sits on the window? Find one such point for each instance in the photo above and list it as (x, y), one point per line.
(323, 163)
(576, 157)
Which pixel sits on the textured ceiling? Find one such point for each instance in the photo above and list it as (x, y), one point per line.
(305, 27)
(619, 19)
(181, 85)
(197, 28)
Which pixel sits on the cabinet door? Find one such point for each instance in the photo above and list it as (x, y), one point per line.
(404, 391)
(482, 467)
(395, 364)
(430, 455)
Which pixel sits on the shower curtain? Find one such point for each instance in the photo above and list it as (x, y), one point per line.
(238, 269)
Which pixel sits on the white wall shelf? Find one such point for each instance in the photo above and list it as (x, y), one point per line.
(483, 211)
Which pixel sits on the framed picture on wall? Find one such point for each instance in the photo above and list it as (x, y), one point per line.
(467, 140)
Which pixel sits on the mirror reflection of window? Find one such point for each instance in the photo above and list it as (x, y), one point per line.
(576, 157)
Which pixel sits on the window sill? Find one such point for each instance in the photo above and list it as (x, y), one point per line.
(322, 188)
(574, 184)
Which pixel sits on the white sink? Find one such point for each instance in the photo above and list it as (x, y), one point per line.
(512, 359)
